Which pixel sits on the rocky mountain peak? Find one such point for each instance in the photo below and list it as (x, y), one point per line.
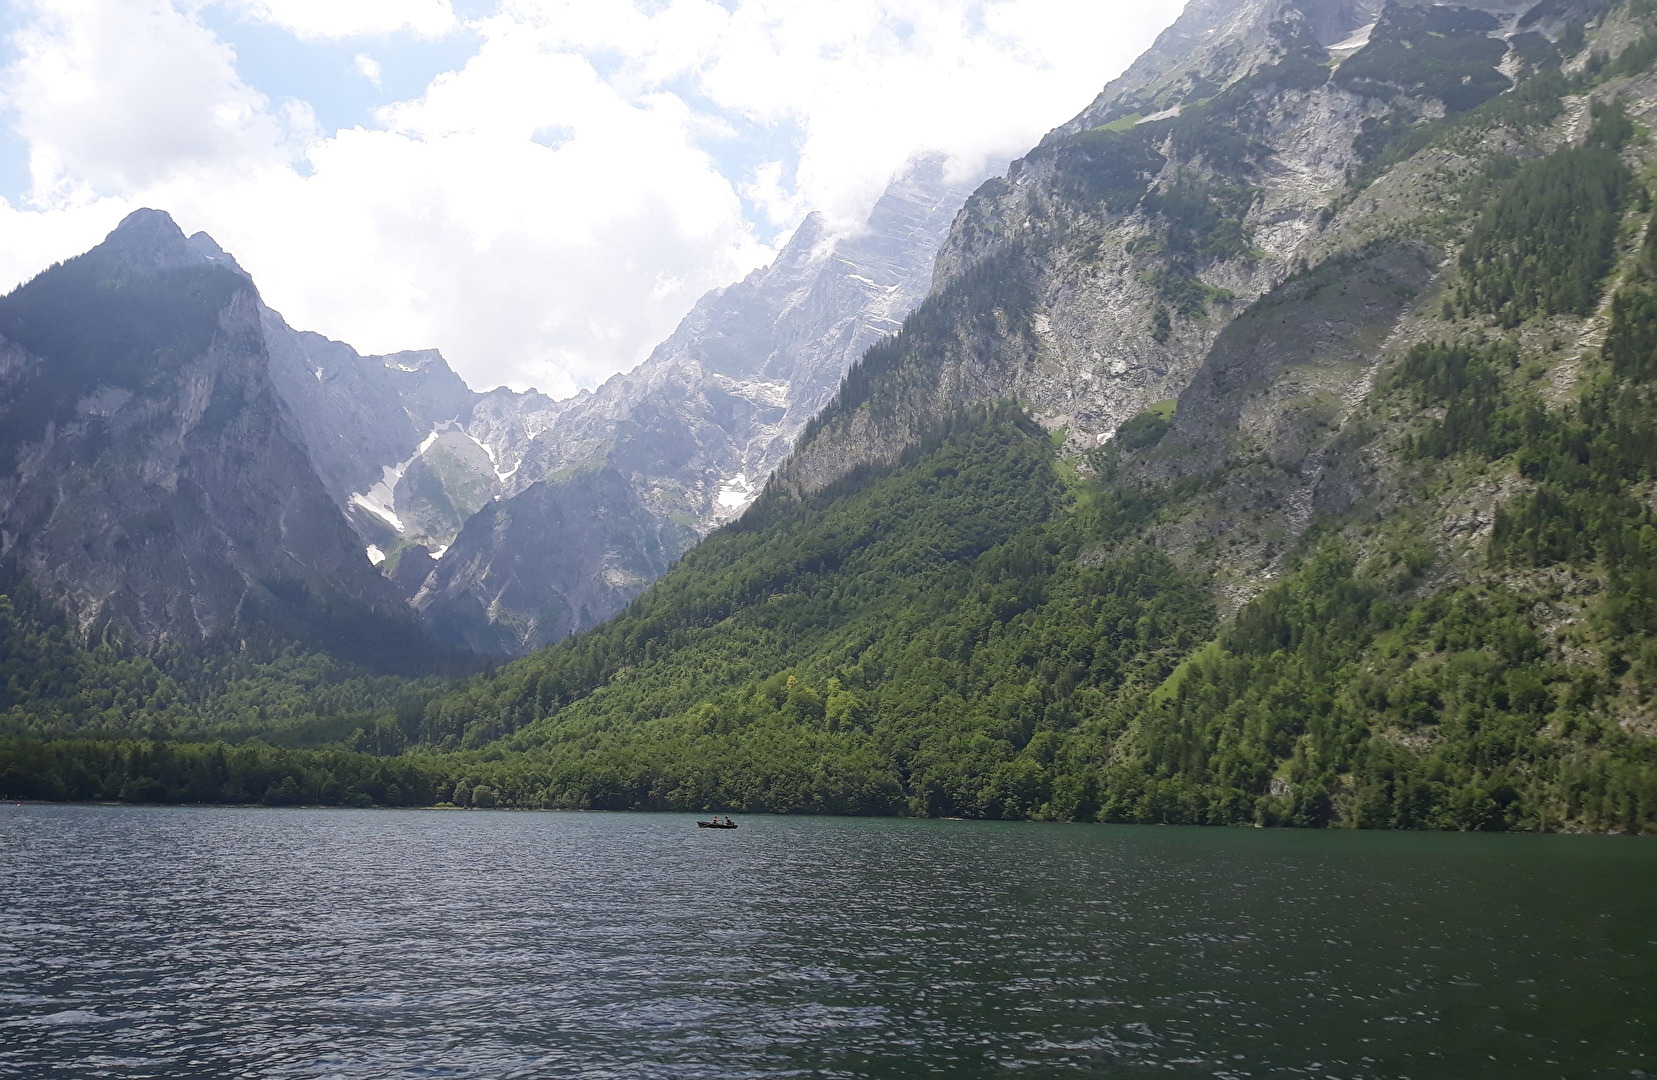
(148, 240)
(806, 247)
(209, 250)
(153, 481)
(1212, 45)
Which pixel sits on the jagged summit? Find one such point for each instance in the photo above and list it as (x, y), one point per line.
(146, 224)
(149, 240)
(208, 249)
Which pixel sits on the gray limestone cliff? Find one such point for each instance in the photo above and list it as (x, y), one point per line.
(1234, 235)
(1077, 235)
(559, 557)
(406, 450)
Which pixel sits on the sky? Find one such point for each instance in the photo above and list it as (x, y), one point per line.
(539, 188)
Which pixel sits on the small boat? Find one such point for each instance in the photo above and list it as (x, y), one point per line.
(715, 825)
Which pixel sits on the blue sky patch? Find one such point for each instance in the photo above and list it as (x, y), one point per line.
(325, 74)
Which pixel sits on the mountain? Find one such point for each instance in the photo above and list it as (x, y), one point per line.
(153, 487)
(1274, 447)
(685, 441)
(1117, 250)
(625, 478)
(555, 559)
(408, 452)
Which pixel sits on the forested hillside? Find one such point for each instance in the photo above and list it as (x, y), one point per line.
(1367, 538)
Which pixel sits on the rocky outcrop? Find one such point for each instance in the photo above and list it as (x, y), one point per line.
(521, 574)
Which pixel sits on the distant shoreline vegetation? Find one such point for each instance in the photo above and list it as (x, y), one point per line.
(126, 773)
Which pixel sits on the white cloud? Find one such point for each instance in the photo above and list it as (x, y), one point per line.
(528, 264)
(545, 213)
(313, 19)
(778, 202)
(866, 82)
(369, 68)
(113, 96)
(34, 240)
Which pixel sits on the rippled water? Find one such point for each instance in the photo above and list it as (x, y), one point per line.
(158, 942)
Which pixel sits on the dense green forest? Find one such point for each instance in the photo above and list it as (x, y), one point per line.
(53, 685)
(938, 640)
(988, 628)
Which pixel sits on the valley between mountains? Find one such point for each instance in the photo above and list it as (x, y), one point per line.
(1274, 443)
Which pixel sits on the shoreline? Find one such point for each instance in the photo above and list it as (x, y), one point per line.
(1237, 826)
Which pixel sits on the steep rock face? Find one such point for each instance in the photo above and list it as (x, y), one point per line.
(694, 431)
(404, 447)
(357, 413)
(153, 484)
(1095, 279)
(509, 584)
(745, 371)
(1223, 228)
(1214, 43)
(1069, 286)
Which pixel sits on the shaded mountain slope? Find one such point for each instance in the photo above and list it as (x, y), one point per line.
(153, 486)
(559, 557)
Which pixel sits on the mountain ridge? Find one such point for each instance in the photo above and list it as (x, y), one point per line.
(409, 454)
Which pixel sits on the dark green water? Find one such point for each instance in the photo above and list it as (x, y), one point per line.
(141, 942)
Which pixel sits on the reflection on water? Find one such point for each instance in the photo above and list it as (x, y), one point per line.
(154, 942)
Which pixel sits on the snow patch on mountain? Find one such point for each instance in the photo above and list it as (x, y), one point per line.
(381, 499)
(736, 492)
(759, 391)
(503, 475)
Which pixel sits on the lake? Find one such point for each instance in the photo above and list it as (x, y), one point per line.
(216, 942)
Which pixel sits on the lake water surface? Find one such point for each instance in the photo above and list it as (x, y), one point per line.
(172, 942)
